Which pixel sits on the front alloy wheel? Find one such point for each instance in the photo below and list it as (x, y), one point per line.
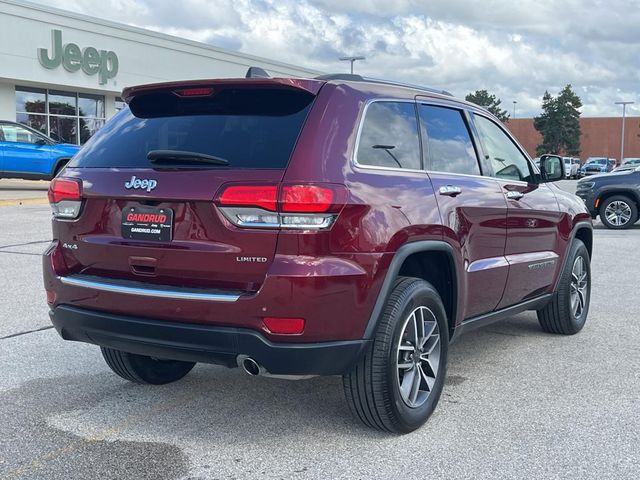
(566, 312)
(618, 212)
(579, 287)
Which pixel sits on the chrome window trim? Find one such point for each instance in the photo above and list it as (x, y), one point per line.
(363, 114)
(484, 177)
(147, 292)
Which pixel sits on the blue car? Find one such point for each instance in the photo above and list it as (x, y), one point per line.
(27, 153)
(597, 165)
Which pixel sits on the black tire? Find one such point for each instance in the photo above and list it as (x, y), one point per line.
(628, 205)
(372, 387)
(143, 369)
(560, 315)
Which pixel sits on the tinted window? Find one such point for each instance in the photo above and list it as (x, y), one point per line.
(449, 145)
(506, 159)
(251, 128)
(389, 136)
(15, 133)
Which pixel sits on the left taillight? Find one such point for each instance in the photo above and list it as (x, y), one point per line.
(304, 206)
(65, 197)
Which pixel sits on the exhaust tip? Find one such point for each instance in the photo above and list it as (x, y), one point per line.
(250, 366)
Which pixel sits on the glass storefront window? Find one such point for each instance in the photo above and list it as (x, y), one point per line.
(120, 104)
(33, 120)
(88, 127)
(63, 129)
(31, 100)
(62, 103)
(67, 117)
(90, 105)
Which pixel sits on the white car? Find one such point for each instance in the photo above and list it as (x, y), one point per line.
(571, 167)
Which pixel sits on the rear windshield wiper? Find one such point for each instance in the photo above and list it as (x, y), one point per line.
(168, 156)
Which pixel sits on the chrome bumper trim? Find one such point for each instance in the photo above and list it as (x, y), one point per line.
(148, 291)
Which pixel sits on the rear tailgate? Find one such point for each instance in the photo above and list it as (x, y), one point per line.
(252, 124)
(204, 250)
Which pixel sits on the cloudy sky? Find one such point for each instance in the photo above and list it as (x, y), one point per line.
(515, 49)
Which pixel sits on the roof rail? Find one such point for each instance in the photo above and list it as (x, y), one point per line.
(256, 72)
(341, 76)
(359, 78)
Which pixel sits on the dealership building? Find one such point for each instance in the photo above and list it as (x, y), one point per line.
(62, 73)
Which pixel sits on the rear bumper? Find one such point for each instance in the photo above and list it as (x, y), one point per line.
(335, 295)
(203, 343)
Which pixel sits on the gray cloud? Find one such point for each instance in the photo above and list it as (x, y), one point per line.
(516, 50)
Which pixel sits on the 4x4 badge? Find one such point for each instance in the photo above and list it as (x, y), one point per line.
(135, 183)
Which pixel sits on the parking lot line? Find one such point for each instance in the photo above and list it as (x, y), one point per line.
(23, 201)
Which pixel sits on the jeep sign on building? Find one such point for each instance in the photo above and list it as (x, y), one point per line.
(62, 73)
(92, 62)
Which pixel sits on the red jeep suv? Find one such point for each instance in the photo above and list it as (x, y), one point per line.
(300, 227)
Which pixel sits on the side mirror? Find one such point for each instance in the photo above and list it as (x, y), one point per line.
(551, 168)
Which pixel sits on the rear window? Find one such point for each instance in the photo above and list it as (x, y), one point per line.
(389, 136)
(249, 127)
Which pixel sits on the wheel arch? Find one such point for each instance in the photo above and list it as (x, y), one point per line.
(430, 260)
(582, 231)
(610, 192)
(585, 234)
(59, 165)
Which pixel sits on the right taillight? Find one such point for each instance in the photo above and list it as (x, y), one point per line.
(291, 206)
(65, 197)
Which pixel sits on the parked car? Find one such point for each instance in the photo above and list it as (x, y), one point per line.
(296, 227)
(615, 197)
(631, 161)
(596, 165)
(29, 154)
(571, 167)
(629, 164)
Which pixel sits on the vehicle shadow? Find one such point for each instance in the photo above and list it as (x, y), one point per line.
(215, 413)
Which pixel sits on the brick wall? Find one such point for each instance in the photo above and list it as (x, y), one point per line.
(600, 136)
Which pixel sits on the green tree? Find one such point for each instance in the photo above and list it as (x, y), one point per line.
(488, 101)
(559, 123)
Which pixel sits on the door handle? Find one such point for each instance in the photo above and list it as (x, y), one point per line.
(514, 195)
(449, 190)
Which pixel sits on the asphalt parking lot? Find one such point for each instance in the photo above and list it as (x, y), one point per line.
(518, 403)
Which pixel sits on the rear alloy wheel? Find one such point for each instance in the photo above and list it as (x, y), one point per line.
(143, 369)
(418, 357)
(397, 383)
(618, 212)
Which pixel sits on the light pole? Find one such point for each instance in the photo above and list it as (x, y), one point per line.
(352, 60)
(514, 108)
(624, 111)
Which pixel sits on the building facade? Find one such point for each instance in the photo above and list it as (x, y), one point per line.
(62, 73)
(600, 136)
